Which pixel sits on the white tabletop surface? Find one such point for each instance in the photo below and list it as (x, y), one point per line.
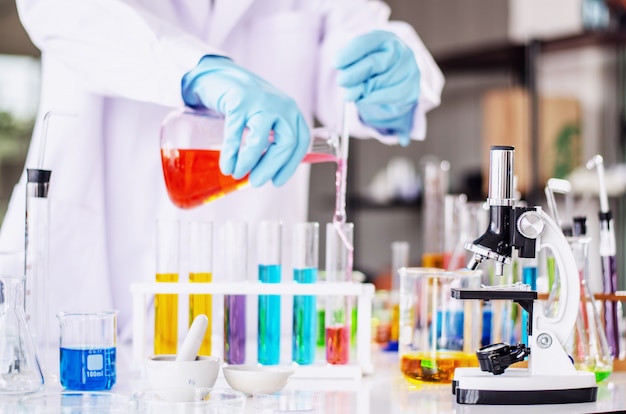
(385, 391)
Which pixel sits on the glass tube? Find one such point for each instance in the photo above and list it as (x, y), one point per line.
(37, 228)
(165, 304)
(269, 246)
(236, 265)
(338, 308)
(305, 262)
(399, 258)
(435, 188)
(201, 271)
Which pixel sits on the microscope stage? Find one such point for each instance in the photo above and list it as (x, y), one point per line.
(517, 387)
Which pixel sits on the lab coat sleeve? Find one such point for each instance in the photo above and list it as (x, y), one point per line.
(114, 47)
(355, 18)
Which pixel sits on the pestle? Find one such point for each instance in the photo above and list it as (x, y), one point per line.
(193, 340)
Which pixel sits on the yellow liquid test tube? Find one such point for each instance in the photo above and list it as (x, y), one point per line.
(201, 271)
(166, 305)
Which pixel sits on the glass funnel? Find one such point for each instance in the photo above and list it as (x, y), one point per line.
(190, 150)
(20, 372)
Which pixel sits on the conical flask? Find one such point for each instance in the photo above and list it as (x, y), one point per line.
(20, 372)
(589, 346)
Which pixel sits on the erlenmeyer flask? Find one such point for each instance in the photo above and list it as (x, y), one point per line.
(190, 149)
(589, 345)
(20, 372)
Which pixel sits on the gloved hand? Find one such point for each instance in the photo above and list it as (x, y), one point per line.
(246, 100)
(381, 76)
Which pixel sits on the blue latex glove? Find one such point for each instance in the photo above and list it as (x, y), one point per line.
(246, 100)
(381, 76)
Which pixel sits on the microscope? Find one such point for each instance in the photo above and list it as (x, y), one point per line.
(550, 377)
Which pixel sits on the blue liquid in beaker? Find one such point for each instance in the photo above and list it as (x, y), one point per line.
(87, 369)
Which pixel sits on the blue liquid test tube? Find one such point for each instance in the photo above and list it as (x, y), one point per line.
(236, 264)
(305, 262)
(269, 246)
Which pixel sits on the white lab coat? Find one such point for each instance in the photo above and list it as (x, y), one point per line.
(116, 66)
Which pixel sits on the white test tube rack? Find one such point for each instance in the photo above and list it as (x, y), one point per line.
(364, 293)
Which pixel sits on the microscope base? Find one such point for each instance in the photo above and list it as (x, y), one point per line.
(517, 386)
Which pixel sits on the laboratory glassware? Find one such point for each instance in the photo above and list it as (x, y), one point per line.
(305, 269)
(338, 308)
(166, 304)
(196, 400)
(36, 257)
(88, 343)
(454, 237)
(399, 259)
(589, 346)
(201, 271)
(608, 251)
(75, 402)
(235, 244)
(435, 177)
(20, 372)
(270, 268)
(438, 333)
(190, 149)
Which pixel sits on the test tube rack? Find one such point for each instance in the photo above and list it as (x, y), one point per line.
(363, 292)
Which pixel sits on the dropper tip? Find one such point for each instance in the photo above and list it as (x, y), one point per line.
(595, 161)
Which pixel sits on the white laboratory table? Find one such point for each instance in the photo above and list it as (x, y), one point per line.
(385, 391)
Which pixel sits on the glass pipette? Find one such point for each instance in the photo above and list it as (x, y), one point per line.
(339, 218)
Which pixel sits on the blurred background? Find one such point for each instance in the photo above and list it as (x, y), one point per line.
(548, 77)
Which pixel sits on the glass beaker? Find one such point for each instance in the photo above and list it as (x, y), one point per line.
(20, 372)
(190, 150)
(87, 350)
(437, 332)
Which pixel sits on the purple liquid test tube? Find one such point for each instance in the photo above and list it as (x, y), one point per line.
(236, 243)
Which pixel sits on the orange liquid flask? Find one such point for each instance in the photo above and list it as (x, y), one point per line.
(190, 149)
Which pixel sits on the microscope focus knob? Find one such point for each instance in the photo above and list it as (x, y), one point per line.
(530, 224)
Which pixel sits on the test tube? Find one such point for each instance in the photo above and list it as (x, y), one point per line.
(165, 304)
(236, 264)
(269, 246)
(305, 261)
(338, 308)
(399, 258)
(201, 271)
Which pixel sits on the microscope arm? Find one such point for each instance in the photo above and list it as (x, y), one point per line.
(563, 322)
(548, 334)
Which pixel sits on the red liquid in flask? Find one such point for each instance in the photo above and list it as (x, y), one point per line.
(193, 176)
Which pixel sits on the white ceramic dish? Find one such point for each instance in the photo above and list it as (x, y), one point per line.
(255, 378)
(165, 373)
